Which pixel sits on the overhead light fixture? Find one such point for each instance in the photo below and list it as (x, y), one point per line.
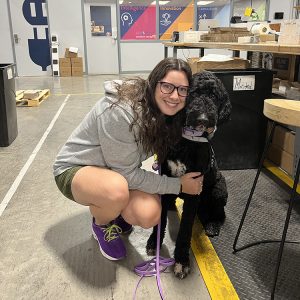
(204, 2)
(160, 2)
(120, 1)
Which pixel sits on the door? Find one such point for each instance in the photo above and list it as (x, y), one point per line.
(101, 37)
(30, 35)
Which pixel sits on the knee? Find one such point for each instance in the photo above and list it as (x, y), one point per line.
(119, 195)
(150, 217)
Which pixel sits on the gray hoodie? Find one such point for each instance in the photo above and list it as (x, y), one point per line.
(103, 139)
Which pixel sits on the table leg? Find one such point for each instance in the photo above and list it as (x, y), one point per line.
(166, 51)
(175, 52)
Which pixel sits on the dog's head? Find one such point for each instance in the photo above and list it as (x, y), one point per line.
(208, 102)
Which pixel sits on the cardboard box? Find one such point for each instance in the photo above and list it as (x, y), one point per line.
(65, 71)
(31, 94)
(64, 62)
(77, 71)
(290, 32)
(284, 65)
(198, 66)
(76, 62)
(266, 38)
(189, 36)
(281, 158)
(284, 139)
(70, 54)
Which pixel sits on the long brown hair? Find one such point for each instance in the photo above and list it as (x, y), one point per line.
(157, 132)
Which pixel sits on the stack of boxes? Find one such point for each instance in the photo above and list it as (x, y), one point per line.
(281, 151)
(71, 64)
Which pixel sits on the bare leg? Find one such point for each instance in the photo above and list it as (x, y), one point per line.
(106, 193)
(143, 209)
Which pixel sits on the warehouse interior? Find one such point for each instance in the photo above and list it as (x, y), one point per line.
(55, 60)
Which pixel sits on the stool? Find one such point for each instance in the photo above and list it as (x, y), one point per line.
(285, 112)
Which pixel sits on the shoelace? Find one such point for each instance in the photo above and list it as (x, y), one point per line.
(111, 232)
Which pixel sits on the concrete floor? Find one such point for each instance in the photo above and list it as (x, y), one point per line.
(46, 249)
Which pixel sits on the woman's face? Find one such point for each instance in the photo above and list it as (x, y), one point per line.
(168, 100)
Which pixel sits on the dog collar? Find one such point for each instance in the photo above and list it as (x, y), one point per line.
(193, 135)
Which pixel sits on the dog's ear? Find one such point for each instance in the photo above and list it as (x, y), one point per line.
(224, 109)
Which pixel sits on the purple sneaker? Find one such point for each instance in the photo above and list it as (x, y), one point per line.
(125, 227)
(110, 243)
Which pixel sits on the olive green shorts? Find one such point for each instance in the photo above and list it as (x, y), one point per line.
(64, 180)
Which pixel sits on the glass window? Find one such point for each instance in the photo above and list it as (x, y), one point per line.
(175, 16)
(213, 14)
(138, 20)
(250, 10)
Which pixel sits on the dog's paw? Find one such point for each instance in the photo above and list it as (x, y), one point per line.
(213, 229)
(181, 270)
(151, 246)
(177, 168)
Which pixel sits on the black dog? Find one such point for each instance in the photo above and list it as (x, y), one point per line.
(207, 106)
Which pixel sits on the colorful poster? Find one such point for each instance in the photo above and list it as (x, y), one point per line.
(39, 48)
(100, 20)
(138, 22)
(175, 18)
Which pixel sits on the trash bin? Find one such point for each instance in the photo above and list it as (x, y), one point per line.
(8, 111)
(239, 143)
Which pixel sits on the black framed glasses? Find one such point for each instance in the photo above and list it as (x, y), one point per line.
(168, 88)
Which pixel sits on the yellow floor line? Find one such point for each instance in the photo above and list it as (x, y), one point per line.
(280, 174)
(214, 275)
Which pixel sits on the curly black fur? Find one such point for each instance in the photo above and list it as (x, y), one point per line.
(208, 105)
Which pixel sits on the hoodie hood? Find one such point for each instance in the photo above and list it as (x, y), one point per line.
(110, 86)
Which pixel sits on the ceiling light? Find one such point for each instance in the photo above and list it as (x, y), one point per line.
(160, 2)
(204, 2)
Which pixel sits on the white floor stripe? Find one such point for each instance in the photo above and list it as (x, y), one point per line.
(32, 156)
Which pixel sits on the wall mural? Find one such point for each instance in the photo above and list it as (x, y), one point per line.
(39, 48)
(138, 22)
(175, 18)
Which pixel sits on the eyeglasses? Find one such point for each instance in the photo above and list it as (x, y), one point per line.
(168, 88)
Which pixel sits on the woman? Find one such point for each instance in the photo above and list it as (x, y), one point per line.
(100, 164)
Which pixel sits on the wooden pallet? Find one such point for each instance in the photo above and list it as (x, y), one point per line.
(43, 94)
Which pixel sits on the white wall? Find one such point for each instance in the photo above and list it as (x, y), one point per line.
(6, 52)
(65, 20)
(223, 15)
(279, 6)
(140, 56)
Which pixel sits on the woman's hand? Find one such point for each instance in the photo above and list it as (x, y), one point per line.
(191, 183)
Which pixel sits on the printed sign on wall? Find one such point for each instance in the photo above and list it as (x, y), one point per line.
(138, 22)
(39, 48)
(175, 18)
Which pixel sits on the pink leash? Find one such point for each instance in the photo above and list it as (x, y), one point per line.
(156, 265)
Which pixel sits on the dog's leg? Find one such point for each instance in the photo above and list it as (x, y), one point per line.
(211, 207)
(183, 241)
(151, 243)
